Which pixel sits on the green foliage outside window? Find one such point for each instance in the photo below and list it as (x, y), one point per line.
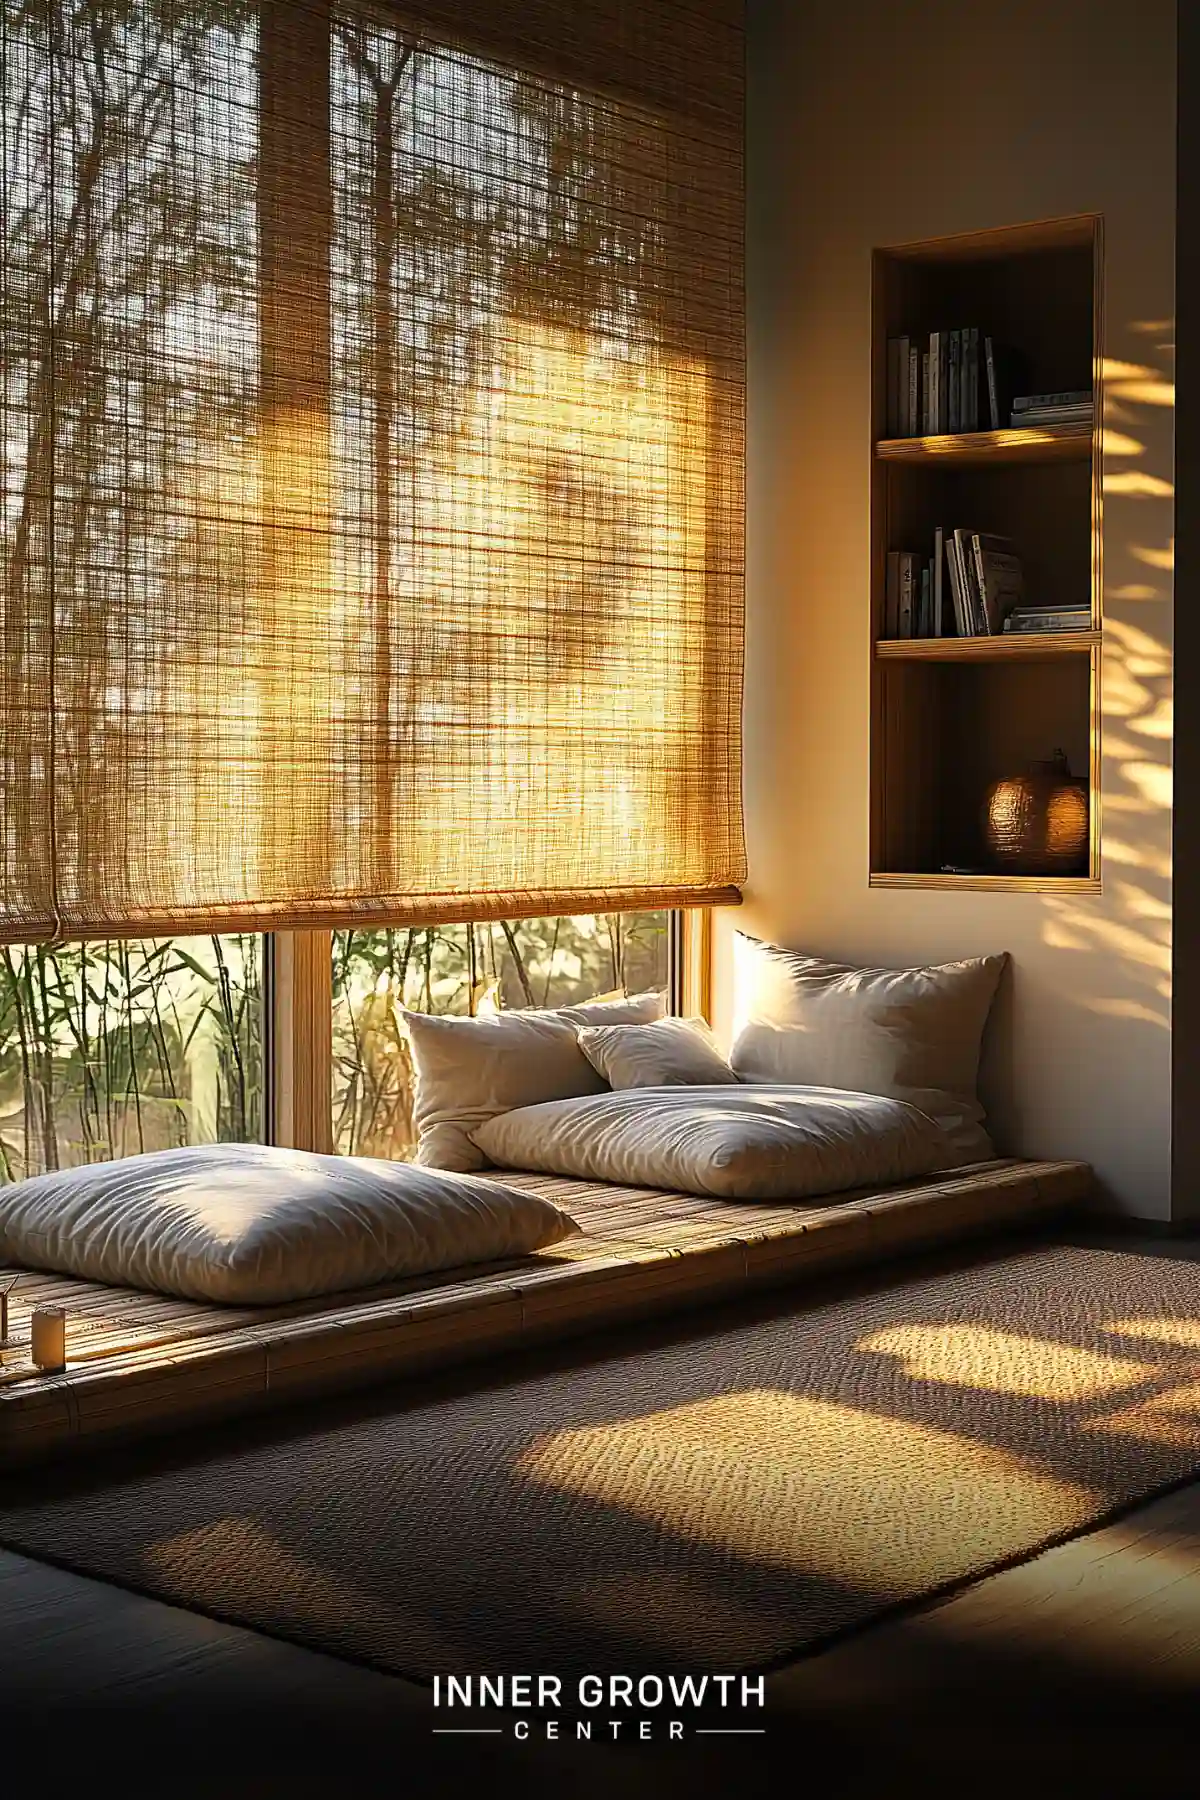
(111, 1049)
(464, 969)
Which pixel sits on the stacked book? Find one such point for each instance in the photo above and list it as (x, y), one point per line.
(950, 381)
(1049, 618)
(968, 588)
(1072, 406)
(910, 608)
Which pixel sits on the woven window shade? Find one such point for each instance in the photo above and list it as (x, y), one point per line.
(372, 420)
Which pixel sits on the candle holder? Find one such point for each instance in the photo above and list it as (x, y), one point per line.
(7, 1284)
(48, 1339)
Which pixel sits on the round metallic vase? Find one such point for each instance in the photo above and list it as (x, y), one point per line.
(1036, 823)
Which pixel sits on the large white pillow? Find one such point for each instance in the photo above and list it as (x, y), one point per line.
(787, 1143)
(669, 1053)
(468, 1070)
(911, 1034)
(250, 1224)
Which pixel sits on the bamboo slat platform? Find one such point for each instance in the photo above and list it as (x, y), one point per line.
(141, 1363)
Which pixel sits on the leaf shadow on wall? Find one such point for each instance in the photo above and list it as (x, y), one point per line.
(1118, 962)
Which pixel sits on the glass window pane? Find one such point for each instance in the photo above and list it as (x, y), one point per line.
(464, 969)
(110, 1049)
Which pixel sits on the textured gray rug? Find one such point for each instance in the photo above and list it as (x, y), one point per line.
(715, 1501)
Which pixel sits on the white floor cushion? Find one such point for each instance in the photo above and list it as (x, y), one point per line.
(911, 1034)
(250, 1224)
(780, 1143)
(468, 1070)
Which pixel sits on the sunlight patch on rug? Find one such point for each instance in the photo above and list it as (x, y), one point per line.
(1004, 1362)
(815, 1487)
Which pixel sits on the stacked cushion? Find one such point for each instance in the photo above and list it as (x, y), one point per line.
(910, 1034)
(734, 1143)
(251, 1224)
(468, 1070)
(669, 1053)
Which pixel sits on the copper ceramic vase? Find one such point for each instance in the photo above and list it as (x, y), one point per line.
(1036, 823)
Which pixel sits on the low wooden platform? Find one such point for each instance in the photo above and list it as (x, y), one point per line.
(139, 1363)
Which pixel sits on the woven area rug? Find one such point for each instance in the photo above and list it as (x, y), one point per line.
(716, 1500)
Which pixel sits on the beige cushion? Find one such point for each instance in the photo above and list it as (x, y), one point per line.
(737, 1143)
(470, 1069)
(912, 1034)
(669, 1053)
(250, 1224)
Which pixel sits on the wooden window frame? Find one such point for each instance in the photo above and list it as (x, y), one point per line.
(298, 1030)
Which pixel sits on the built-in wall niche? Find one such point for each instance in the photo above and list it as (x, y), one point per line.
(994, 678)
(948, 732)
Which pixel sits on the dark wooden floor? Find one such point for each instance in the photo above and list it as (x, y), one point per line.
(1078, 1672)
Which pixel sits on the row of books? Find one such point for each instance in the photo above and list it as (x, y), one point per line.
(972, 586)
(967, 588)
(947, 384)
(966, 381)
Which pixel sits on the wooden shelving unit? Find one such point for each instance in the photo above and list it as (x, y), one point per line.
(1030, 646)
(949, 716)
(1041, 444)
(990, 884)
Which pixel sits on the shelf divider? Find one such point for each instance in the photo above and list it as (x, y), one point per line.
(1030, 444)
(1022, 646)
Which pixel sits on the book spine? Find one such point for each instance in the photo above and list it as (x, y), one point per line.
(960, 586)
(936, 398)
(966, 574)
(923, 627)
(954, 383)
(906, 594)
(943, 381)
(977, 594)
(1075, 609)
(926, 395)
(1068, 621)
(939, 561)
(1052, 415)
(970, 379)
(993, 391)
(1077, 397)
(960, 617)
(991, 624)
(891, 410)
(912, 427)
(968, 597)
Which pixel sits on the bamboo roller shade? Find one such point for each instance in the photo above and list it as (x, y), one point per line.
(372, 398)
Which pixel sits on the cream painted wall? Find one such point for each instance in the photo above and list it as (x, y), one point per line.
(1043, 108)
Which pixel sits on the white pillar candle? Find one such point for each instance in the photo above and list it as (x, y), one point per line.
(48, 1338)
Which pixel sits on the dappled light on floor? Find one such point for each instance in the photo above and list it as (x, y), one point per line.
(1002, 1362)
(1185, 1332)
(228, 1549)
(794, 1482)
(1171, 1418)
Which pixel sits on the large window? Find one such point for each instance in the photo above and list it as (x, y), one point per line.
(465, 969)
(110, 1049)
(113, 1049)
(370, 544)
